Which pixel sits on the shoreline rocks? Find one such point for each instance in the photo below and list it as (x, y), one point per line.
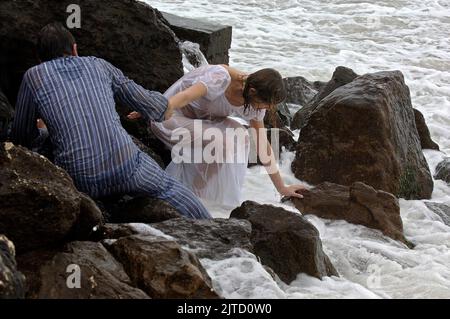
(365, 132)
(39, 204)
(12, 282)
(286, 242)
(358, 204)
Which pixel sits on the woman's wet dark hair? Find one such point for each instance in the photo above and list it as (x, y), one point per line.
(269, 87)
(54, 41)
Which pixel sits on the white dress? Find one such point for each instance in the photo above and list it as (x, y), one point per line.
(203, 125)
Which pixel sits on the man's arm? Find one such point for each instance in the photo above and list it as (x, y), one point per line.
(151, 104)
(24, 130)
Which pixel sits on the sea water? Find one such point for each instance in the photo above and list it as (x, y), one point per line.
(311, 38)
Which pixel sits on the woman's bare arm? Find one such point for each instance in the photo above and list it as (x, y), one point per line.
(267, 157)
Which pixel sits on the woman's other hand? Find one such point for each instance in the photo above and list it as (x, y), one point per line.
(293, 191)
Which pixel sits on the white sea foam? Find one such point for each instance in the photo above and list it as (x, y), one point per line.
(310, 38)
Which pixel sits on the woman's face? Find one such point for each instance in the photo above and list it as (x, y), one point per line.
(257, 104)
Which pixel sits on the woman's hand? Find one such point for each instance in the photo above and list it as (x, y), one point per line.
(134, 116)
(293, 191)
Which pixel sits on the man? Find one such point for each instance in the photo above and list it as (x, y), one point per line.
(75, 97)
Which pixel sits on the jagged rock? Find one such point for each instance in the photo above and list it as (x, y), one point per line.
(365, 131)
(424, 133)
(300, 91)
(6, 113)
(12, 282)
(53, 274)
(285, 241)
(140, 209)
(341, 77)
(443, 170)
(441, 210)
(214, 39)
(39, 204)
(212, 239)
(359, 204)
(162, 268)
(128, 33)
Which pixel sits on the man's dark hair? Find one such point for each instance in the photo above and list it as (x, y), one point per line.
(54, 41)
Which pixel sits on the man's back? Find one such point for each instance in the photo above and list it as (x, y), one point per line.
(75, 96)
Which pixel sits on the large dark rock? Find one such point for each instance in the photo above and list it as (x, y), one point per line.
(341, 77)
(39, 204)
(139, 209)
(162, 268)
(285, 241)
(424, 133)
(130, 34)
(53, 274)
(6, 113)
(443, 170)
(365, 131)
(12, 282)
(213, 239)
(214, 39)
(359, 204)
(442, 210)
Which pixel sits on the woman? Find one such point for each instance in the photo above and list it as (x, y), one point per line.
(203, 100)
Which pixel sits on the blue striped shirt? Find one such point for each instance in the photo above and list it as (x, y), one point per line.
(76, 97)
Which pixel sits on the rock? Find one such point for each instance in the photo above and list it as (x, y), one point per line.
(359, 204)
(441, 210)
(443, 171)
(213, 239)
(89, 219)
(6, 113)
(424, 133)
(130, 34)
(140, 209)
(53, 274)
(162, 268)
(111, 232)
(12, 282)
(39, 204)
(285, 241)
(365, 132)
(214, 39)
(300, 91)
(279, 119)
(341, 77)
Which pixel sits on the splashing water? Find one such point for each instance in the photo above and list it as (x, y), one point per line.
(310, 38)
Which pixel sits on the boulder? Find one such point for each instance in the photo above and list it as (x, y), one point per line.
(424, 133)
(442, 210)
(365, 131)
(341, 77)
(214, 39)
(12, 282)
(81, 270)
(39, 204)
(130, 34)
(300, 91)
(443, 171)
(6, 113)
(358, 204)
(285, 241)
(162, 268)
(213, 239)
(139, 209)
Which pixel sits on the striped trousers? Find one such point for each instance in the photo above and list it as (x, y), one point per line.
(150, 180)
